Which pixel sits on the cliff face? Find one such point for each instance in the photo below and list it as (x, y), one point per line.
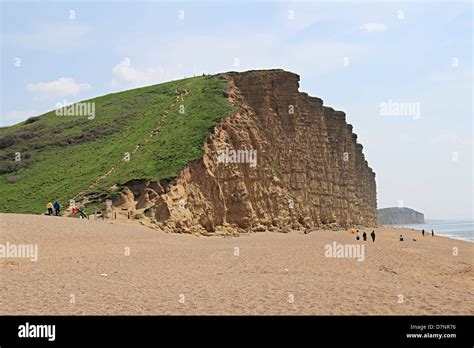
(299, 166)
(399, 216)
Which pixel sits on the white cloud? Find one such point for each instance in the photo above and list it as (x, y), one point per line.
(16, 116)
(373, 27)
(62, 87)
(210, 55)
(307, 57)
(123, 72)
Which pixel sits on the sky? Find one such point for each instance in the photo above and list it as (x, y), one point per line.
(402, 71)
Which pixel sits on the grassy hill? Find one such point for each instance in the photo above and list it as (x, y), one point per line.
(162, 127)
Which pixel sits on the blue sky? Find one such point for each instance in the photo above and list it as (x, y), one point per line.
(354, 55)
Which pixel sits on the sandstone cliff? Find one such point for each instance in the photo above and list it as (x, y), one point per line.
(399, 216)
(303, 167)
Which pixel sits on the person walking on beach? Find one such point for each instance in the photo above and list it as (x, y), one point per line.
(432, 233)
(373, 235)
(401, 238)
(423, 233)
(57, 208)
(82, 214)
(364, 235)
(50, 208)
(357, 235)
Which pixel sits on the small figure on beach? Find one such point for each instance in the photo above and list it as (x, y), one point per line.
(82, 214)
(401, 238)
(364, 235)
(357, 235)
(50, 208)
(432, 233)
(373, 235)
(57, 208)
(423, 233)
(74, 211)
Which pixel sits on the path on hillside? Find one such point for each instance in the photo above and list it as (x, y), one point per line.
(154, 131)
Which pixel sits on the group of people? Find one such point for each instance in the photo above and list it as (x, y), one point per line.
(57, 210)
(372, 235)
(422, 234)
(56, 206)
(80, 211)
(364, 236)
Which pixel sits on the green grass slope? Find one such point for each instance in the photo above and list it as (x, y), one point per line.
(66, 157)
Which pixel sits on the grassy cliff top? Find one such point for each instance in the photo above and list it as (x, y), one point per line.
(162, 127)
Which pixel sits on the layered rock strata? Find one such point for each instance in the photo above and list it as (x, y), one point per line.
(282, 161)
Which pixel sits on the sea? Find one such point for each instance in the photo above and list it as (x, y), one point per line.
(457, 229)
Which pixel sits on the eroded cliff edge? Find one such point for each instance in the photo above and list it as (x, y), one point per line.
(310, 172)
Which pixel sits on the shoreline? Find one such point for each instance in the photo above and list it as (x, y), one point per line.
(429, 233)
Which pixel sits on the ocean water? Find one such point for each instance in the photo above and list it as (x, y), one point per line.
(458, 229)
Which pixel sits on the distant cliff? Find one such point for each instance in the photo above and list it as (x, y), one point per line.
(397, 216)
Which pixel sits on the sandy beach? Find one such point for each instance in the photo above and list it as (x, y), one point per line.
(88, 267)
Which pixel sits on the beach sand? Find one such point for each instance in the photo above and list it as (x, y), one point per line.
(273, 273)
